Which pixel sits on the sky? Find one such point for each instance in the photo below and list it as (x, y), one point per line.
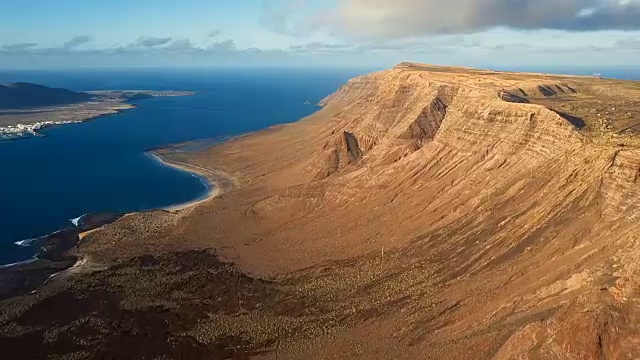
(43, 34)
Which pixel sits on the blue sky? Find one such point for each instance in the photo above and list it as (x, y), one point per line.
(118, 22)
(160, 33)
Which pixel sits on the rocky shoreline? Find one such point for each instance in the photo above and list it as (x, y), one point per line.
(57, 250)
(56, 254)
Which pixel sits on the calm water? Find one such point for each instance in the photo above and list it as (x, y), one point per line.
(101, 166)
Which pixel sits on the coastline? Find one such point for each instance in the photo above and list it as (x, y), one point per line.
(23, 123)
(58, 253)
(70, 114)
(216, 181)
(113, 102)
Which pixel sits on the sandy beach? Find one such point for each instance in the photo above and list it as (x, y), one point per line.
(218, 182)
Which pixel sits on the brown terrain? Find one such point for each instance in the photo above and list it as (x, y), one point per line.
(424, 213)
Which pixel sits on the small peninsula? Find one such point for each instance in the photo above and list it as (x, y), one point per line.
(26, 108)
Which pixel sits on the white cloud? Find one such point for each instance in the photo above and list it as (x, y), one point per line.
(19, 46)
(214, 33)
(76, 41)
(149, 42)
(181, 45)
(381, 19)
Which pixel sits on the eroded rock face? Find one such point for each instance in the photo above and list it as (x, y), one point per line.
(620, 185)
(507, 223)
(394, 113)
(426, 125)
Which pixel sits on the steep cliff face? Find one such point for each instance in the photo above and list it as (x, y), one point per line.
(397, 112)
(476, 222)
(506, 230)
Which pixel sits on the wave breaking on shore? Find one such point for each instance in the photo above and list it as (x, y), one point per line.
(76, 221)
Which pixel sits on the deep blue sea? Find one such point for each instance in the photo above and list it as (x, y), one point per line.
(101, 166)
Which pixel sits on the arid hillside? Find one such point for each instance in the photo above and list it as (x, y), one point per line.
(425, 212)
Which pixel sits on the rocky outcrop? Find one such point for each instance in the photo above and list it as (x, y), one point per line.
(620, 185)
(397, 112)
(350, 143)
(514, 98)
(425, 127)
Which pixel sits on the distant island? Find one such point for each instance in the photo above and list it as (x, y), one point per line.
(24, 95)
(26, 108)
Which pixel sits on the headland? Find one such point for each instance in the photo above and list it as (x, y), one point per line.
(27, 121)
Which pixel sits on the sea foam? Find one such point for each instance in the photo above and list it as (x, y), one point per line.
(76, 221)
(27, 242)
(24, 262)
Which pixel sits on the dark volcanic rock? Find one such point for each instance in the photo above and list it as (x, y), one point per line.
(54, 257)
(104, 317)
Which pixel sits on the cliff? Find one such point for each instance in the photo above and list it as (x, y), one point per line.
(424, 212)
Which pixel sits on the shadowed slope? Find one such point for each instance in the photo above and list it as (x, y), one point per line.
(26, 95)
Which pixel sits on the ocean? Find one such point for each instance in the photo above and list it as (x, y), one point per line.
(103, 166)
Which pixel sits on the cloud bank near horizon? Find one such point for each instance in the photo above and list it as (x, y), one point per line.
(383, 19)
(469, 32)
